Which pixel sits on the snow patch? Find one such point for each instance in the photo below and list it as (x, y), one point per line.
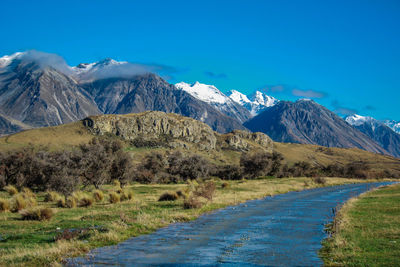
(207, 93)
(6, 60)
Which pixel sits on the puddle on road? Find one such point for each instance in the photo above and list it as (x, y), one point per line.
(284, 230)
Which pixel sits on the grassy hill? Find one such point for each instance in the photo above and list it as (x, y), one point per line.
(70, 135)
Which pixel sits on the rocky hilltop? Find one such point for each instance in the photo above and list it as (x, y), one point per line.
(155, 128)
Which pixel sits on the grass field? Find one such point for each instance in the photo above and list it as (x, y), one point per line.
(366, 231)
(32, 243)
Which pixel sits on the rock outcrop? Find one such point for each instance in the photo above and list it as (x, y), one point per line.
(244, 141)
(155, 128)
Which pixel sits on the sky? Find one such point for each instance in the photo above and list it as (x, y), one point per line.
(343, 54)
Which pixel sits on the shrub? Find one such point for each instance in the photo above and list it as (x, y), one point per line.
(4, 204)
(114, 197)
(229, 172)
(85, 202)
(206, 190)
(52, 196)
(98, 195)
(168, 196)
(224, 185)
(191, 167)
(19, 203)
(319, 180)
(144, 176)
(11, 190)
(256, 164)
(192, 203)
(37, 214)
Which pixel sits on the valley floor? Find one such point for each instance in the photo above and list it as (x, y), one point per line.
(33, 243)
(366, 232)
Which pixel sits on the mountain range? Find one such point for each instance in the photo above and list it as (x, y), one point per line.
(378, 131)
(39, 89)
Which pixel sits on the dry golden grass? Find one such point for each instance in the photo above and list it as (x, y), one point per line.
(57, 137)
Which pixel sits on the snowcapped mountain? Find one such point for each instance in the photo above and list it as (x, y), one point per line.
(378, 131)
(394, 125)
(211, 95)
(256, 103)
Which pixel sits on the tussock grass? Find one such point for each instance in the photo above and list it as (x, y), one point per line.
(12, 190)
(52, 196)
(114, 197)
(98, 195)
(4, 204)
(18, 203)
(85, 201)
(366, 231)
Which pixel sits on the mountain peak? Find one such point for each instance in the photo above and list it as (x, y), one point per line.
(211, 95)
(256, 103)
(7, 59)
(204, 92)
(357, 120)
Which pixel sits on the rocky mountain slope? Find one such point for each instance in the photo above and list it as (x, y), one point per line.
(307, 122)
(38, 95)
(378, 131)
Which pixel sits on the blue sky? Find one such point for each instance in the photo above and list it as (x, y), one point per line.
(343, 54)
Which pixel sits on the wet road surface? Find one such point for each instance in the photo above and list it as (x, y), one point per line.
(284, 230)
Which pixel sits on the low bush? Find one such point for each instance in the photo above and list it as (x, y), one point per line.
(319, 180)
(228, 172)
(168, 196)
(4, 204)
(11, 190)
(114, 197)
(206, 190)
(192, 203)
(37, 214)
(98, 195)
(224, 185)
